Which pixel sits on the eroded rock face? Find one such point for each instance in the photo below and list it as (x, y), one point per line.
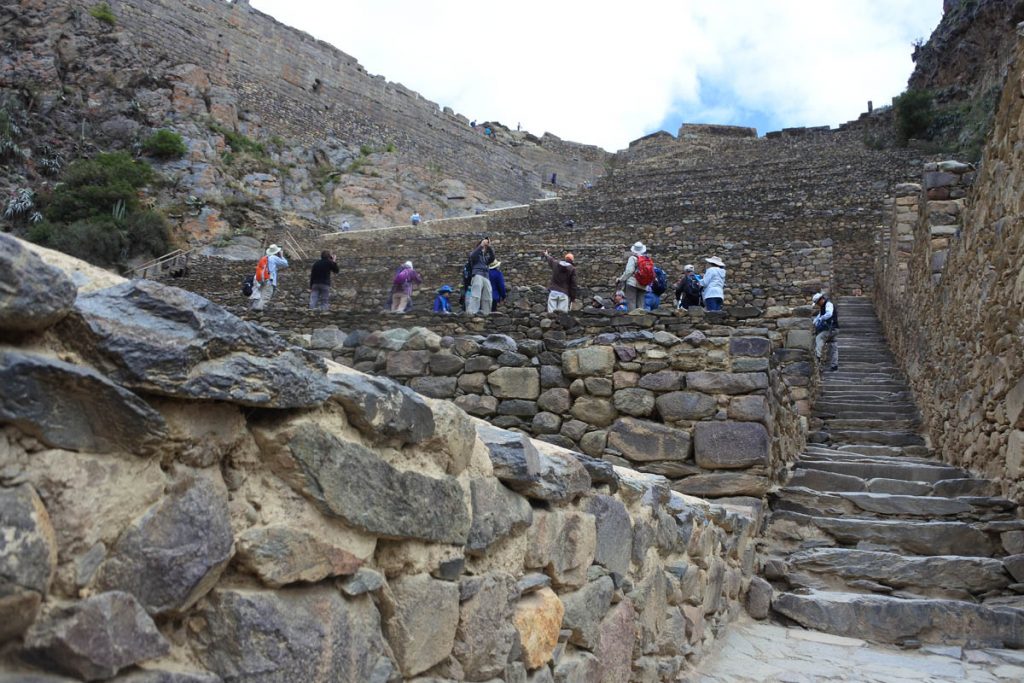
(33, 294)
(485, 634)
(73, 407)
(28, 558)
(280, 555)
(351, 482)
(562, 543)
(497, 513)
(96, 637)
(538, 619)
(175, 552)
(303, 634)
(421, 615)
(164, 340)
(383, 408)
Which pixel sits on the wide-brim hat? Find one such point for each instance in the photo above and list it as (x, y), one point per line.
(638, 248)
(715, 261)
(815, 298)
(273, 249)
(495, 264)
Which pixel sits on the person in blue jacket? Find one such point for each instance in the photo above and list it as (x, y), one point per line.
(497, 278)
(441, 303)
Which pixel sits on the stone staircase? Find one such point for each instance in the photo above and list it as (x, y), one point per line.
(873, 538)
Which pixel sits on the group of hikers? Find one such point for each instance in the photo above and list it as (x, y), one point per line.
(641, 285)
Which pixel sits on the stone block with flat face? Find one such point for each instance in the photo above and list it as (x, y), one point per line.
(731, 445)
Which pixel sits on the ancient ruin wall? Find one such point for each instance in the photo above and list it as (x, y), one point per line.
(952, 299)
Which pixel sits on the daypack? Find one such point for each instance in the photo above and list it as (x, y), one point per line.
(402, 276)
(644, 274)
(247, 285)
(263, 270)
(660, 283)
(691, 287)
(467, 274)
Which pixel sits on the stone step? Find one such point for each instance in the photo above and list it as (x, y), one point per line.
(913, 537)
(847, 424)
(948, 576)
(888, 470)
(898, 438)
(868, 505)
(894, 620)
(818, 453)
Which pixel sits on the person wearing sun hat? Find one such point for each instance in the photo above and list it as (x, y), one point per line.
(562, 289)
(633, 292)
(714, 284)
(826, 322)
(441, 302)
(497, 278)
(275, 260)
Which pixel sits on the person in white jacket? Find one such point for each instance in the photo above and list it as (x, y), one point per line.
(713, 284)
(826, 322)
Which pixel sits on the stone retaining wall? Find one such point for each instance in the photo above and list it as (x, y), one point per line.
(953, 300)
(717, 411)
(226, 506)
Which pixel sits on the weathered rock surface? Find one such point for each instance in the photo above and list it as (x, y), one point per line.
(614, 533)
(497, 513)
(644, 441)
(731, 445)
(514, 458)
(172, 555)
(280, 555)
(73, 407)
(96, 637)
(563, 543)
(584, 610)
(301, 634)
(726, 382)
(485, 635)
(380, 407)
(349, 481)
(538, 620)
(28, 558)
(164, 340)
(615, 643)
(561, 477)
(33, 295)
(421, 615)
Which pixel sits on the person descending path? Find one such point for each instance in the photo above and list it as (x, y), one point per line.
(826, 324)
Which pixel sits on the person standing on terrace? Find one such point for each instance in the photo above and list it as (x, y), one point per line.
(714, 284)
(498, 291)
(633, 292)
(562, 290)
(480, 293)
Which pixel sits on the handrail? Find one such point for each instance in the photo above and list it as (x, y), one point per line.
(156, 266)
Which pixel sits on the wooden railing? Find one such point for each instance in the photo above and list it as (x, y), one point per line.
(174, 261)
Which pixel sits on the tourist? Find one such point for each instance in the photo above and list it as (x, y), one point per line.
(497, 278)
(597, 302)
(562, 289)
(441, 302)
(320, 281)
(345, 226)
(620, 301)
(402, 286)
(554, 178)
(826, 322)
(633, 292)
(713, 285)
(651, 300)
(479, 298)
(688, 288)
(266, 276)
(415, 218)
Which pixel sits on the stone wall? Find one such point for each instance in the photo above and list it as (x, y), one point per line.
(717, 411)
(953, 299)
(186, 497)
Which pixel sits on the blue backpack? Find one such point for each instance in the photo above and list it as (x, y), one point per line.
(660, 283)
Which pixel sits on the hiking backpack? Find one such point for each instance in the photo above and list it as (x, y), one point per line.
(660, 283)
(691, 287)
(644, 273)
(263, 270)
(247, 285)
(467, 274)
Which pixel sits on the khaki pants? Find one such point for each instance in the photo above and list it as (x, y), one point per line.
(827, 337)
(266, 294)
(557, 301)
(480, 296)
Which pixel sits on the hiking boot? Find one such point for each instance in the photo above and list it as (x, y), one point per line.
(834, 368)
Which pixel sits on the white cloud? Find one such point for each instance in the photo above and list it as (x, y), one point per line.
(609, 74)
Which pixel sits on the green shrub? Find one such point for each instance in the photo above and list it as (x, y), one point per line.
(391, 149)
(92, 187)
(148, 234)
(102, 12)
(96, 240)
(238, 142)
(915, 111)
(164, 144)
(365, 150)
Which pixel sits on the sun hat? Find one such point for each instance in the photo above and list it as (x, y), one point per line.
(814, 299)
(407, 264)
(715, 261)
(638, 248)
(495, 264)
(273, 249)
(569, 257)
(445, 288)
(688, 268)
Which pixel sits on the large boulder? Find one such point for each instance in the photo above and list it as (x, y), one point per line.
(163, 340)
(421, 615)
(349, 481)
(644, 441)
(28, 558)
(382, 408)
(301, 634)
(96, 637)
(174, 553)
(72, 407)
(33, 294)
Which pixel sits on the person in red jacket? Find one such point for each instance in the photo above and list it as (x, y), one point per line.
(563, 282)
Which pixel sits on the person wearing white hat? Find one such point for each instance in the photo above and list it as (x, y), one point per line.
(688, 288)
(633, 292)
(266, 275)
(401, 287)
(714, 284)
(826, 321)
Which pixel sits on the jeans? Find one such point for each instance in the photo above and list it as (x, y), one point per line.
(827, 337)
(558, 301)
(479, 300)
(319, 297)
(713, 303)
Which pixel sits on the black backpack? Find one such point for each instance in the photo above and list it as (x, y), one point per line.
(247, 285)
(467, 274)
(691, 287)
(660, 283)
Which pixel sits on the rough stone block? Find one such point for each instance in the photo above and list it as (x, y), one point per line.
(800, 339)
(635, 402)
(749, 346)
(749, 409)
(599, 412)
(590, 361)
(726, 382)
(731, 445)
(614, 533)
(486, 634)
(685, 405)
(563, 543)
(497, 513)
(538, 620)
(421, 615)
(515, 383)
(641, 440)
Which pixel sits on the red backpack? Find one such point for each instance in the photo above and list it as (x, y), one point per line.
(644, 273)
(262, 270)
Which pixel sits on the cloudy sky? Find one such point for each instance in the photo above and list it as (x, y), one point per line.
(607, 74)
